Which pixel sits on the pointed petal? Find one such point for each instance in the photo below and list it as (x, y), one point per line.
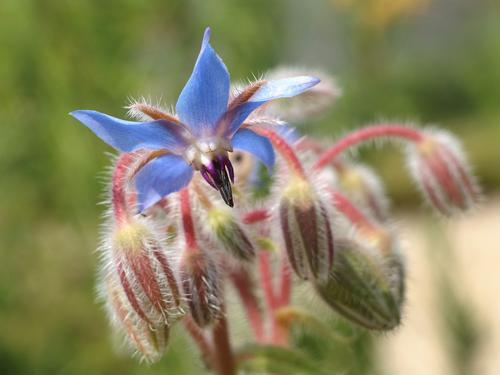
(160, 177)
(284, 88)
(259, 146)
(204, 98)
(281, 88)
(129, 136)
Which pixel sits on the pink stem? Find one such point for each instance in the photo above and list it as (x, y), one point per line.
(364, 134)
(118, 193)
(223, 352)
(273, 301)
(187, 220)
(285, 282)
(243, 284)
(256, 216)
(348, 209)
(200, 340)
(285, 150)
(266, 279)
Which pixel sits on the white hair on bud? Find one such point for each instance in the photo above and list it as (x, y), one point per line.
(146, 335)
(446, 148)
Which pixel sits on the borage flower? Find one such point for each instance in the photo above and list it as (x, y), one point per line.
(207, 127)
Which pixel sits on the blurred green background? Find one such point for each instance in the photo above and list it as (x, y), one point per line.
(421, 60)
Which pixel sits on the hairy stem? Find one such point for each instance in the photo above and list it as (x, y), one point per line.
(187, 220)
(275, 299)
(365, 134)
(360, 221)
(284, 149)
(118, 190)
(244, 285)
(285, 281)
(348, 209)
(266, 279)
(200, 340)
(225, 363)
(278, 334)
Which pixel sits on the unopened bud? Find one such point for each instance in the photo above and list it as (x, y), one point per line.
(200, 284)
(364, 187)
(140, 287)
(306, 229)
(230, 234)
(148, 340)
(439, 167)
(365, 285)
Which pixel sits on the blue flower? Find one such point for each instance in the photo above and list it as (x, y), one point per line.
(206, 129)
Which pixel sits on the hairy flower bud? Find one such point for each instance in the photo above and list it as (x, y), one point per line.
(366, 286)
(149, 340)
(139, 286)
(230, 234)
(200, 284)
(438, 165)
(361, 184)
(306, 230)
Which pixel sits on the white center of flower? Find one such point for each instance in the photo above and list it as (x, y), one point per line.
(202, 152)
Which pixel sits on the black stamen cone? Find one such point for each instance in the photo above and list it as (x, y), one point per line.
(225, 188)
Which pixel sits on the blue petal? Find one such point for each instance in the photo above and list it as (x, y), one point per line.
(160, 177)
(281, 88)
(284, 88)
(128, 136)
(204, 98)
(249, 141)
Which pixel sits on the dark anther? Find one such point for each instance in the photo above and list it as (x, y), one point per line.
(219, 174)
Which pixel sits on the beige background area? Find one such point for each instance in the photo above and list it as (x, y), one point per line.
(467, 251)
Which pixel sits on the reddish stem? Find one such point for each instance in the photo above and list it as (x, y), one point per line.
(244, 286)
(200, 340)
(223, 353)
(285, 150)
(274, 298)
(256, 216)
(364, 134)
(118, 193)
(348, 209)
(285, 281)
(273, 301)
(266, 279)
(187, 220)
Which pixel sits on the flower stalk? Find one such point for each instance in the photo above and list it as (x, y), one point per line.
(223, 353)
(364, 134)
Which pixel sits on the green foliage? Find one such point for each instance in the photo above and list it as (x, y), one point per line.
(318, 347)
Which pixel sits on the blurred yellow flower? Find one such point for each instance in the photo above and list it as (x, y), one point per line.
(378, 14)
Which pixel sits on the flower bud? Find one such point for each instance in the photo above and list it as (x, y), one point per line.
(438, 165)
(149, 340)
(140, 288)
(200, 284)
(230, 234)
(306, 230)
(364, 187)
(365, 286)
